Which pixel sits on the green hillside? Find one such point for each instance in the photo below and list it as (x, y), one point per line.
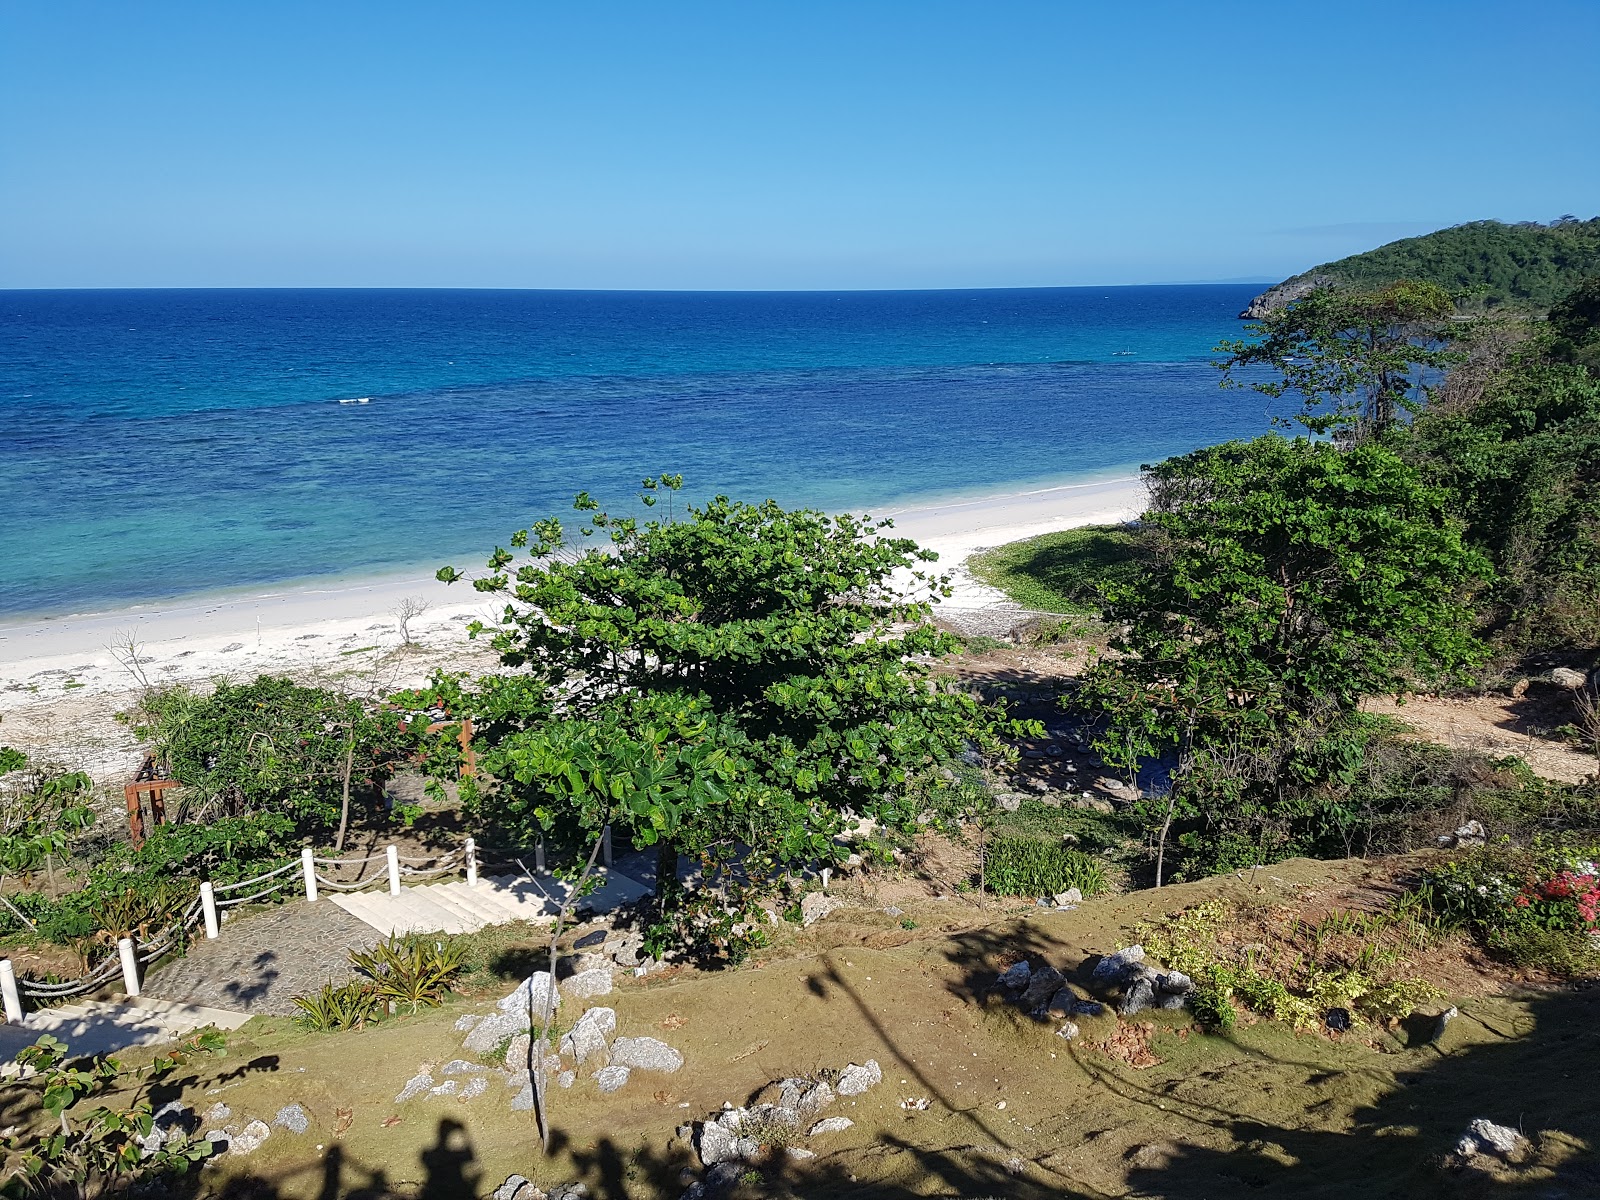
(1492, 264)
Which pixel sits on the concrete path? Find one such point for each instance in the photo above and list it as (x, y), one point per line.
(263, 960)
(456, 908)
(107, 1026)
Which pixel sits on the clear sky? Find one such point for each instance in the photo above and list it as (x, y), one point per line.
(772, 144)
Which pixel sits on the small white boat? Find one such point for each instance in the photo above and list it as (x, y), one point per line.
(358, 400)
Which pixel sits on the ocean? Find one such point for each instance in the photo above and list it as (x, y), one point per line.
(161, 443)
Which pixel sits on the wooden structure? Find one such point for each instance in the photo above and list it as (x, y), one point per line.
(147, 800)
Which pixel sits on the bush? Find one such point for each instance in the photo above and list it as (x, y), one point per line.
(415, 970)
(1023, 866)
(335, 1007)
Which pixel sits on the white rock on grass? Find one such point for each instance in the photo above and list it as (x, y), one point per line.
(523, 1100)
(609, 1079)
(414, 1087)
(830, 1125)
(717, 1143)
(516, 1187)
(854, 1080)
(293, 1118)
(645, 1054)
(517, 1053)
(532, 995)
(566, 1079)
(590, 1035)
(474, 1087)
(1113, 968)
(800, 1152)
(595, 982)
(494, 1029)
(1485, 1137)
(459, 1066)
(249, 1139)
(448, 1088)
(816, 905)
(466, 1021)
(216, 1114)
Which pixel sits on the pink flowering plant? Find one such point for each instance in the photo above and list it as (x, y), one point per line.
(1536, 906)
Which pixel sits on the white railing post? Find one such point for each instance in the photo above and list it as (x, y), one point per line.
(208, 907)
(309, 868)
(8, 989)
(605, 845)
(130, 966)
(538, 856)
(472, 863)
(827, 876)
(394, 871)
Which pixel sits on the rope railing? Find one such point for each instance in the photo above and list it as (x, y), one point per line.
(215, 898)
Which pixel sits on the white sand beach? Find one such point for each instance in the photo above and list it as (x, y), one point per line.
(72, 673)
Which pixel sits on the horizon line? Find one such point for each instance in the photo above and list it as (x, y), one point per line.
(1247, 281)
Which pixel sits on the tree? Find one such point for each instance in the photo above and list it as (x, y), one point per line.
(90, 1148)
(1293, 579)
(731, 684)
(41, 811)
(1575, 325)
(1356, 360)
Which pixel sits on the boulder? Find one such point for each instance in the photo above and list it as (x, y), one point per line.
(532, 996)
(516, 1187)
(475, 1087)
(1070, 896)
(594, 982)
(629, 950)
(611, 1078)
(494, 1029)
(1043, 984)
(466, 1021)
(293, 1118)
(1174, 983)
(1117, 968)
(1140, 995)
(249, 1139)
(523, 1100)
(1016, 976)
(1566, 677)
(645, 1054)
(1008, 802)
(414, 1087)
(815, 1099)
(1485, 1137)
(589, 1036)
(517, 1053)
(854, 1080)
(1470, 834)
(1063, 1004)
(830, 1125)
(459, 1066)
(816, 905)
(717, 1144)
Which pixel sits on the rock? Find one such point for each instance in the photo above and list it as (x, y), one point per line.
(597, 938)
(475, 1087)
(1063, 1003)
(1281, 295)
(1088, 1008)
(1044, 982)
(747, 1148)
(1519, 689)
(415, 1086)
(1008, 802)
(516, 1187)
(517, 1054)
(1338, 1020)
(1140, 995)
(569, 1191)
(1170, 1002)
(645, 1054)
(1443, 1022)
(1566, 677)
(1116, 968)
(532, 996)
(523, 1100)
(830, 1125)
(566, 1079)
(589, 1036)
(1068, 1031)
(1070, 896)
(459, 1066)
(249, 1139)
(717, 1144)
(466, 1021)
(629, 950)
(216, 1114)
(219, 1139)
(816, 905)
(293, 1118)
(611, 1078)
(494, 1029)
(594, 982)
(1470, 834)
(448, 1088)
(1485, 1137)
(814, 1100)
(799, 1152)
(893, 911)
(1016, 976)
(723, 1177)
(1174, 983)
(175, 1115)
(854, 1080)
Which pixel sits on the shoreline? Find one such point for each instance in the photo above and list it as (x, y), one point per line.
(289, 627)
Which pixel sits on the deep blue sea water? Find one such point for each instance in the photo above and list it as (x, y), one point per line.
(155, 443)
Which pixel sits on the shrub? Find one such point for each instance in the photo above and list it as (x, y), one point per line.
(338, 1006)
(415, 970)
(1022, 866)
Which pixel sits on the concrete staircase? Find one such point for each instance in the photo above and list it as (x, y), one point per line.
(456, 908)
(106, 1026)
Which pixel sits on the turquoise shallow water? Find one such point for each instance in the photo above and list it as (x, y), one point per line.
(155, 443)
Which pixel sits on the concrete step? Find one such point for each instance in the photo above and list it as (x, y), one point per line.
(446, 897)
(484, 902)
(106, 1026)
(421, 913)
(455, 908)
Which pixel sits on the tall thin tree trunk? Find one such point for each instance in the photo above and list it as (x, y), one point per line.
(344, 808)
(666, 873)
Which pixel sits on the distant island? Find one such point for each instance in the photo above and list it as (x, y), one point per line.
(1525, 267)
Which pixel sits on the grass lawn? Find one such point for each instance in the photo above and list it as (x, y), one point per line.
(1065, 572)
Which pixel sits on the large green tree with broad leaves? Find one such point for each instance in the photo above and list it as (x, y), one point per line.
(732, 683)
(1292, 580)
(1356, 361)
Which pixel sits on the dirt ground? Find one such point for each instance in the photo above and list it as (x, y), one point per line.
(1147, 1107)
(1499, 725)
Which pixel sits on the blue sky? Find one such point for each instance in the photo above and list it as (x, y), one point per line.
(775, 144)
